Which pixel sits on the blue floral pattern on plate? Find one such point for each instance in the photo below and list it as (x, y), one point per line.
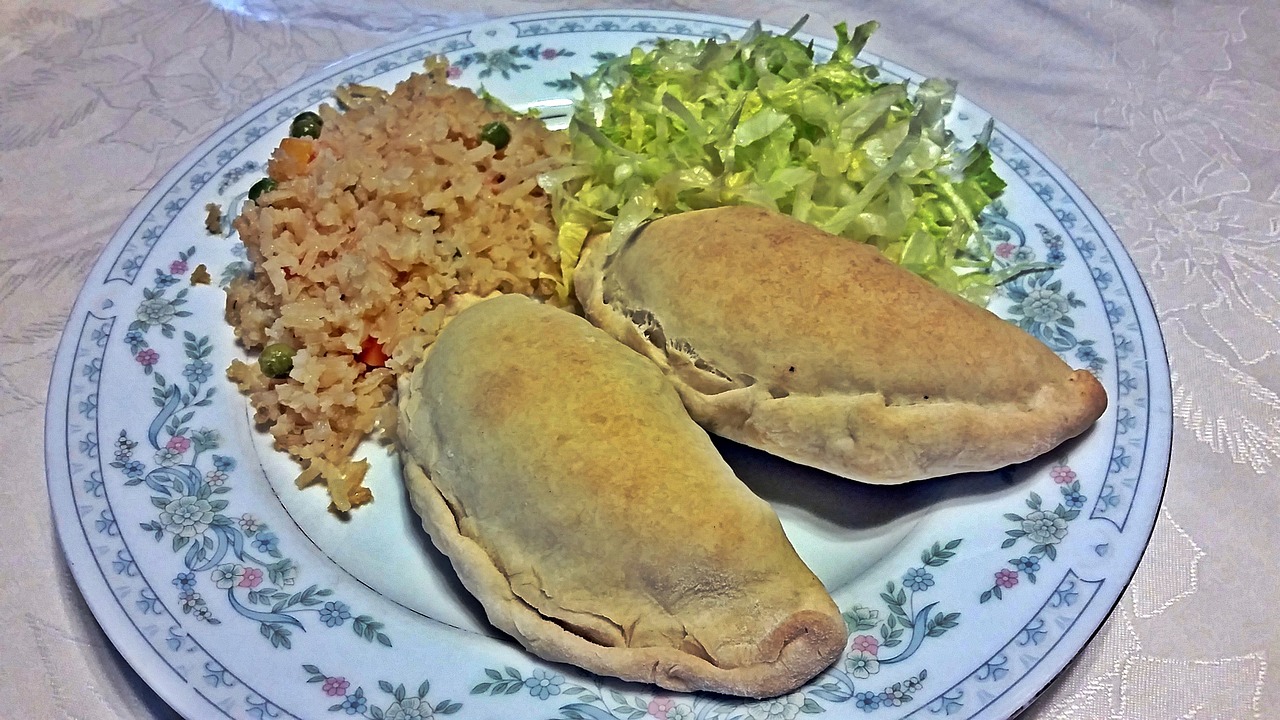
(232, 552)
(228, 597)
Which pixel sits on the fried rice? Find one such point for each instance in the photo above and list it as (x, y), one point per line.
(356, 252)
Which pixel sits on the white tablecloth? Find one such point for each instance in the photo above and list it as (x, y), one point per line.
(1166, 113)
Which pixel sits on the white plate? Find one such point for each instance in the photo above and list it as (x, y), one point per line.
(232, 593)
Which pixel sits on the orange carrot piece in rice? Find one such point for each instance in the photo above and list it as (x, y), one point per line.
(291, 159)
(372, 353)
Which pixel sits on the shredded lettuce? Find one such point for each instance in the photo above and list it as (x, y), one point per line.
(757, 121)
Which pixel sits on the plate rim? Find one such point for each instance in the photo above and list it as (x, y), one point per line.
(1150, 320)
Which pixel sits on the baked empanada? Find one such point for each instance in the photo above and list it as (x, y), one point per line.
(593, 519)
(820, 350)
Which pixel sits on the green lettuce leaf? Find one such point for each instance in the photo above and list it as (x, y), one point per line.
(689, 125)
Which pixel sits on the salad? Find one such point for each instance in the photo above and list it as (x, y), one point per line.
(759, 120)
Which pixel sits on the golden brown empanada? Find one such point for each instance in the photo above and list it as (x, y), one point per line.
(593, 519)
(820, 350)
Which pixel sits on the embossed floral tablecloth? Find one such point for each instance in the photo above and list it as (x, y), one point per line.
(1166, 114)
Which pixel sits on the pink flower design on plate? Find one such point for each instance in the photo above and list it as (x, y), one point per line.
(1005, 249)
(249, 524)
(177, 267)
(660, 706)
(548, 54)
(335, 686)
(178, 443)
(865, 643)
(252, 578)
(147, 357)
(1062, 474)
(454, 72)
(1007, 578)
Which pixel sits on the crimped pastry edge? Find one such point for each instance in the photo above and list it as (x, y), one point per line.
(666, 667)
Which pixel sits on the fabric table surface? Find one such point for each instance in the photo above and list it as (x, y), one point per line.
(1166, 113)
